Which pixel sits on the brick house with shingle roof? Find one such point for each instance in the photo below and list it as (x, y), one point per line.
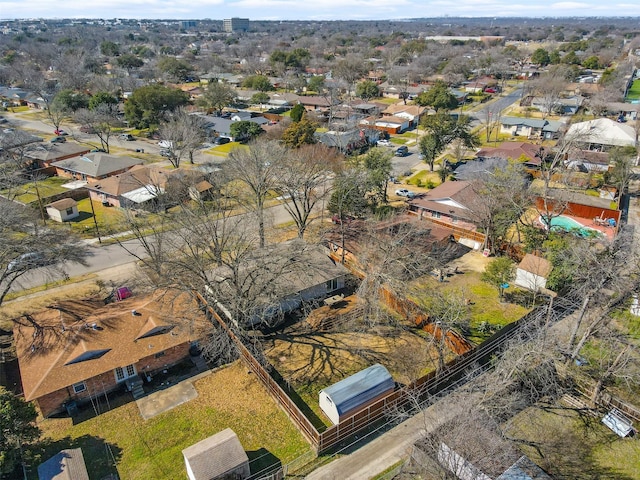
(93, 167)
(79, 349)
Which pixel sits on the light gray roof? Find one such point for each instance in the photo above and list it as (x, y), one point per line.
(65, 465)
(216, 455)
(359, 388)
(97, 164)
(545, 125)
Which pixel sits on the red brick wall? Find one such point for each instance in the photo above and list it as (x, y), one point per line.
(171, 356)
(106, 382)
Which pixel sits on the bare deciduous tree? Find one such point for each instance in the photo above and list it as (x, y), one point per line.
(256, 168)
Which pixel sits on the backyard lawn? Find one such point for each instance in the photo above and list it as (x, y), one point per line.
(310, 360)
(634, 91)
(28, 192)
(487, 313)
(567, 447)
(231, 397)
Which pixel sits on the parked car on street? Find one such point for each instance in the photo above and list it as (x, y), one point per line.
(60, 132)
(403, 192)
(27, 260)
(165, 153)
(384, 143)
(222, 140)
(402, 151)
(58, 140)
(87, 129)
(165, 144)
(127, 136)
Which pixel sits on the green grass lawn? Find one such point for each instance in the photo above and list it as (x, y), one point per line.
(107, 218)
(424, 177)
(151, 449)
(634, 91)
(485, 308)
(570, 448)
(28, 192)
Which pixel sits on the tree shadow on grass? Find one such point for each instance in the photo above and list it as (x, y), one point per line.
(262, 463)
(100, 456)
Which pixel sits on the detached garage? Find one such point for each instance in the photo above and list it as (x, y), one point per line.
(356, 392)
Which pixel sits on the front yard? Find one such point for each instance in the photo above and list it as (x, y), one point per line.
(231, 397)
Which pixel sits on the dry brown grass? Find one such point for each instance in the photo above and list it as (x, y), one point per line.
(37, 301)
(312, 360)
(231, 397)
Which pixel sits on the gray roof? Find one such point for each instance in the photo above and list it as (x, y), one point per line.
(545, 125)
(288, 268)
(359, 388)
(216, 455)
(97, 164)
(524, 469)
(65, 465)
(51, 151)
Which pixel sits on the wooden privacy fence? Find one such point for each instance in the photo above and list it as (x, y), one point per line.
(457, 231)
(276, 391)
(418, 392)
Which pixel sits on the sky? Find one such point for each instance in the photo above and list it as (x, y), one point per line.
(312, 10)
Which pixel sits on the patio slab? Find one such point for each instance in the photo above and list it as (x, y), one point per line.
(164, 400)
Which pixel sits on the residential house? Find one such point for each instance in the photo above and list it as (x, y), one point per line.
(560, 106)
(11, 138)
(220, 456)
(389, 90)
(93, 167)
(316, 103)
(67, 464)
(76, 350)
(63, 210)
(602, 134)
(530, 127)
(527, 153)
(348, 141)
(279, 279)
(624, 111)
(454, 205)
(242, 116)
(389, 124)
(140, 184)
(480, 84)
(408, 112)
(355, 393)
(587, 160)
(532, 273)
(470, 447)
(46, 154)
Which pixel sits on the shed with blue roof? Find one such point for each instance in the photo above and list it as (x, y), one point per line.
(354, 393)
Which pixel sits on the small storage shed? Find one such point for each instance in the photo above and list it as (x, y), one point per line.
(532, 272)
(356, 392)
(217, 457)
(618, 423)
(63, 210)
(65, 465)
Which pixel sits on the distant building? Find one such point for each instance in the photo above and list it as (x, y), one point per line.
(235, 24)
(187, 24)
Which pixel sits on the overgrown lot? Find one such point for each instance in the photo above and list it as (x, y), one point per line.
(230, 397)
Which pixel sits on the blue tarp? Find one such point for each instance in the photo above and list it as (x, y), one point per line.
(360, 388)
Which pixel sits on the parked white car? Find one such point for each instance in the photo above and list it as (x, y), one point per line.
(403, 192)
(165, 144)
(384, 143)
